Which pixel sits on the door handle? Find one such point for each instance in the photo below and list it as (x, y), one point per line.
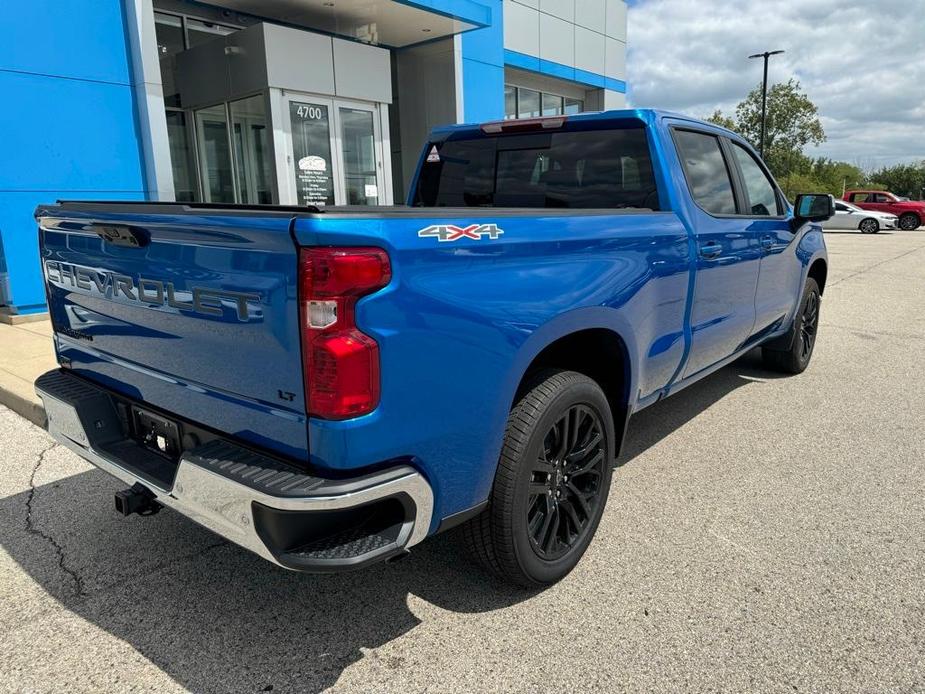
(710, 249)
(767, 242)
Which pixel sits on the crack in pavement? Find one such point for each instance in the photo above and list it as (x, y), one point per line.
(32, 528)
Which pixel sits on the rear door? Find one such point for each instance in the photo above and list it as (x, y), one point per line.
(728, 255)
(880, 202)
(190, 309)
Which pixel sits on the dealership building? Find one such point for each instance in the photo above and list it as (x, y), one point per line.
(289, 102)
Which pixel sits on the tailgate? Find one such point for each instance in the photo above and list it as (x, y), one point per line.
(189, 309)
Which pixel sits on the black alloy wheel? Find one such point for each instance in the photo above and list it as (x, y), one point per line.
(792, 352)
(551, 483)
(809, 325)
(566, 483)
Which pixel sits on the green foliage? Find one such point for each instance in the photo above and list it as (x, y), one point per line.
(792, 124)
(722, 120)
(902, 179)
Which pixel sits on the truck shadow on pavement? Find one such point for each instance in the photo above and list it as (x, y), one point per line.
(216, 618)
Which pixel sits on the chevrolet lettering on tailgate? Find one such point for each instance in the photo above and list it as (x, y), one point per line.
(118, 287)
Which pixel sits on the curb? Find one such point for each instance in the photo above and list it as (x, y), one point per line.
(30, 409)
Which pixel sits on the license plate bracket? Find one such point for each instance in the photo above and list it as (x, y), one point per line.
(156, 433)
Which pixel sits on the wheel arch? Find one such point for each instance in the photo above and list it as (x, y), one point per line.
(819, 271)
(600, 353)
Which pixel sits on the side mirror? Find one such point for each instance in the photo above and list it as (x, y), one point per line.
(812, 207)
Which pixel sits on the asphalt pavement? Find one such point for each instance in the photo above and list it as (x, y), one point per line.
(762, 534)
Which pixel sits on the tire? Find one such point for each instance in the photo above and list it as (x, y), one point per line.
(909, 221)
(550, 488)
(802, 335)
(869, 225)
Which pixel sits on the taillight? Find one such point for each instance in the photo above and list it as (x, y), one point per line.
(340, 363)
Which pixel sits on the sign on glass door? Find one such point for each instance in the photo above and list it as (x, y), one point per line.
(311, 153)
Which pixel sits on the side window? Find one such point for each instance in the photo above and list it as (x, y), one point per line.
(840, 207)
(860, 197)
(762, 199)
(706, 171)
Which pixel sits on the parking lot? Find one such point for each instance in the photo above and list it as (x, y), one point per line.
(762, 534)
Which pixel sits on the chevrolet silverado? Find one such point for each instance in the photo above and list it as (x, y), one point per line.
(327, 387)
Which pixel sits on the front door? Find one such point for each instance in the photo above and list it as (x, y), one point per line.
(728, 255)
(780, 273)
(335, 151)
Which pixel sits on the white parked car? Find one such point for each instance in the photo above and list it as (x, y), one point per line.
(848, 216)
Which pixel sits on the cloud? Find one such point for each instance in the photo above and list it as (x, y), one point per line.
(861, 63)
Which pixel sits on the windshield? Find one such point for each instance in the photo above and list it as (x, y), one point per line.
(601, 169)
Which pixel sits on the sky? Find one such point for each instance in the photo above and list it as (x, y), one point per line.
(861, 63)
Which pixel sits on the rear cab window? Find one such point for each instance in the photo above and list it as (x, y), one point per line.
(708, 177)
(589, 168)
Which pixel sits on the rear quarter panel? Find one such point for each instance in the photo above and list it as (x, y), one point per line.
(461, 321)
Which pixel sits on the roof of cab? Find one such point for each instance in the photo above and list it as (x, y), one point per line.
(648, 116)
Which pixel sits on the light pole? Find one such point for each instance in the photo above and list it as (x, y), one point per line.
(764, 95)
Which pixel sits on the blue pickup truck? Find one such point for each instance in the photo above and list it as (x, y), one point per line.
(329, 387)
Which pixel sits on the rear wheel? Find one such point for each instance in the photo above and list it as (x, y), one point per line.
(869, 226)
(552, 482)
(802, 335)
(909, 221)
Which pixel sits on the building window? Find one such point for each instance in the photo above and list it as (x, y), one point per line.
(510, 102)
(215, 154)
(253, 150)
(199, 32)
(170, 41)
(175, 34)
(182, 159)
(573, 106)
(529, 103)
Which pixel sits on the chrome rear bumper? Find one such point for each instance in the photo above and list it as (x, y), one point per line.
(293, 519)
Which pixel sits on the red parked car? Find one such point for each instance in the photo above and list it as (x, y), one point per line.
(911, 213)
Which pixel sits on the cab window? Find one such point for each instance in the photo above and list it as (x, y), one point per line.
(706, 171)
(601, 169)
(762, 197)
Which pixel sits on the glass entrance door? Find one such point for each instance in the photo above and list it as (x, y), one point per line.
(335, 151)
(310, 143)
(252, 151)
(357, 139)
(215, 154)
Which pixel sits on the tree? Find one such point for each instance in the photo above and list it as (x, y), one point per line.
(722, 120)
(902, 179)
(792, 124)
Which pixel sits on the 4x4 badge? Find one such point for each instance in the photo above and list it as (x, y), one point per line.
(449, 232)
